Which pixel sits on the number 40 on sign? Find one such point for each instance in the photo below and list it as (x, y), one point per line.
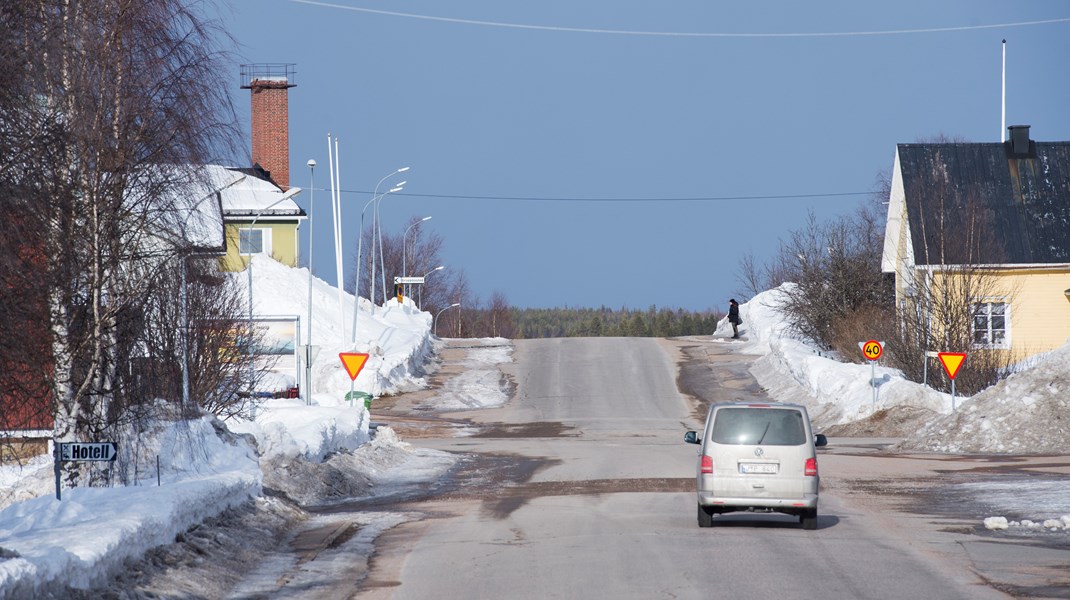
(871, 349)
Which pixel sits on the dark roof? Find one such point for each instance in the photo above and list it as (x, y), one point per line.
(983, 204)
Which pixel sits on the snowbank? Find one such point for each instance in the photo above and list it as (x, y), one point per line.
(81, 540)
(833, 392)
(1026, 413)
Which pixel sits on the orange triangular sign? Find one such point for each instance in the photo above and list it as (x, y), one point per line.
(952, 362)
(353, 362)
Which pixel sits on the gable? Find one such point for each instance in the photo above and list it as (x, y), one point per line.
(982, 204)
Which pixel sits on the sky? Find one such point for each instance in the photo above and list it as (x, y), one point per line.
(84, 538)
(626, 153)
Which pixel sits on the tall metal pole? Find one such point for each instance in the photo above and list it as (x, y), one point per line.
(249, 268)
(405, 247)
(375, 221)
(382, 262)
(1003, 96)
(308, 336)
(356, 286)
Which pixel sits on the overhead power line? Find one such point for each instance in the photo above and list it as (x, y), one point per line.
(690, 34)
(610, 199)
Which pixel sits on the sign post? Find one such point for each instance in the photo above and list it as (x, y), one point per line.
(952, 362)
(82, 451)
(872, 350)
(353, 363)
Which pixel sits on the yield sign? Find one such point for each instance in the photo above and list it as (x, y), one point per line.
(353, 362)
(952, 362)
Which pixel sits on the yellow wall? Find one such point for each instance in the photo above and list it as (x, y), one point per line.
(284, 240)
(1040, 311)
(1039, 308)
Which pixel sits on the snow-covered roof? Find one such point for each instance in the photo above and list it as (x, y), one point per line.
(186, 208)
(249, 195)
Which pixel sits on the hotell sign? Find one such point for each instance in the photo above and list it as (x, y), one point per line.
(87, 451)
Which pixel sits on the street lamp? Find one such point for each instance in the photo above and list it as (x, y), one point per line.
(375, 219)
(405, 246)
(438, 268)
(379, 227)
(249, 268)
(308, 326)
(442, 311)
(356, 286)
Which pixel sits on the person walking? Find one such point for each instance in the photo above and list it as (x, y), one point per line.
(733, 317)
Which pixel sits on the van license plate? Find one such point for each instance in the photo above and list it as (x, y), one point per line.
(758, 468)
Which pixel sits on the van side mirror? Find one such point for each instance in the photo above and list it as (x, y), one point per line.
(820, 440)
(691, 437)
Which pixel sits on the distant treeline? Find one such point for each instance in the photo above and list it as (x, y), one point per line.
(606, 322)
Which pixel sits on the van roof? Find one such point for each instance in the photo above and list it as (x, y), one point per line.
(757, 405)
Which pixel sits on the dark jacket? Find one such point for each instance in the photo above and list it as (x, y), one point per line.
(733, 313)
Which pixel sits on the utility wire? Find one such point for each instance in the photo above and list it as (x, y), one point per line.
(565, 199)
(695, 34)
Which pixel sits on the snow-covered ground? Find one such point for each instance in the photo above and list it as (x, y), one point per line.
(83, 538)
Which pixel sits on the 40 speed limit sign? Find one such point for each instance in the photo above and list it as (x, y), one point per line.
(872, 349)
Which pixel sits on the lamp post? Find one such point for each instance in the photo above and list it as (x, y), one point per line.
(308, 326)
(249, 268)
(356, 286)
(405, 246)
(442, 311)
(379, 227)
(382, 267)
(375, 221)
(438, 268)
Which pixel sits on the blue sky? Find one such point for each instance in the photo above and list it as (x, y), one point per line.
(624, 152)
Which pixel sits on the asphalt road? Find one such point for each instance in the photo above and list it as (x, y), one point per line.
(598, 501)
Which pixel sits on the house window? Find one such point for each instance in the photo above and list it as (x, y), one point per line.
(990, 324)
(254, 241)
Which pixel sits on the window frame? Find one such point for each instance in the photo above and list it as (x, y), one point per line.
(983, 308)
(265, 240)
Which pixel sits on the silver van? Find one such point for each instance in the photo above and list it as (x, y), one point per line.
(758, 458)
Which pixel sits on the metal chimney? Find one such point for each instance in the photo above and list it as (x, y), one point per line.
(1019, 140)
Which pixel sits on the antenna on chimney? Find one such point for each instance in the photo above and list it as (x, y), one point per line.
(1003, 122)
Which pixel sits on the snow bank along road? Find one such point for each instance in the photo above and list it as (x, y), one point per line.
(598, 499)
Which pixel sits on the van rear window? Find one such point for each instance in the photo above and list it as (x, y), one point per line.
(753, 426)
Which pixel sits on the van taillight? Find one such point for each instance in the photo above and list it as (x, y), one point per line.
(707, 465)
(811, 467)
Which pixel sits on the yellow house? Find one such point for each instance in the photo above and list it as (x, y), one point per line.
(259, 218)
(990, 221)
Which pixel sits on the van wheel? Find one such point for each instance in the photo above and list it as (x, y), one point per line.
(809, 519)
(705, 517)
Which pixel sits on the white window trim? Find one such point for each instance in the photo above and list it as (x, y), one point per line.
(1006, 343)
(265, 240)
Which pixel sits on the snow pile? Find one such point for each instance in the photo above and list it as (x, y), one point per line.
(1027, 413)
(833, 392)
(1054, 525)
(81, 540)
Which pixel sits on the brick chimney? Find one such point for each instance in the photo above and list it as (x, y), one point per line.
(269, 85)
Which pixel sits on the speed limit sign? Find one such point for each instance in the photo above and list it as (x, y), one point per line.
(872, 349)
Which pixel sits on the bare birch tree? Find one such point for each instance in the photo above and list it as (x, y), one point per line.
(109, 94)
